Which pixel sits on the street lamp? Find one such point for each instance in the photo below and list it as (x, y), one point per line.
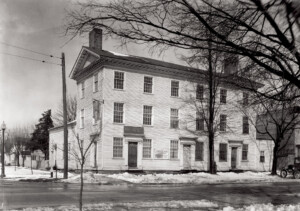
(3, 127)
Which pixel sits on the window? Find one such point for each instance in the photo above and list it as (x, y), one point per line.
(245, 99)
(199, 151)
(118, 112)
(147, 148)
(199, 121)
(174, 88)
(174, 149)
(199, 92)
(95, 87)
(147, 115)
(119, 80)
(81, 89)
(81, 118)
(223, 95)
(147, 84)
(223, 152)
(96, 110)
(262, 157)
(118, 148)
(245, 152)
(245, 125)
(223, 122)
(174, 118)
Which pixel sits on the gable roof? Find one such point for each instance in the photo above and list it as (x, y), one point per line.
(117, 60)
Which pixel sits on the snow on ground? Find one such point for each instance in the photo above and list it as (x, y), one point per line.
(169, 205)
(198, 178)
(17, 173)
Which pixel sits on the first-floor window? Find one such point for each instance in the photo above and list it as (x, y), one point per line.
(199, 151)
(118, 147)
(81, 118)
(147, 148)
(223, 152)
(174, 149)
(262, 156)
(245, 152)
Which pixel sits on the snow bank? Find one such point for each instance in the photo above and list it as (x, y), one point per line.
(265, 207)
(198, 178)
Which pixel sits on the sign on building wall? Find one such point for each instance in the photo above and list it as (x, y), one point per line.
(161, 154)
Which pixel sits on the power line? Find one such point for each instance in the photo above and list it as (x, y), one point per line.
(32, 51)
(24, 57)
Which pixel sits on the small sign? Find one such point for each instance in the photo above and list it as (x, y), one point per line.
(133, 131)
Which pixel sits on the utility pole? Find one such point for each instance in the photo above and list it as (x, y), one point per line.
(65, 116)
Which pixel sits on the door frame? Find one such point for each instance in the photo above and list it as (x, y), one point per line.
(189, 158)
(236, 157)
(128, 154)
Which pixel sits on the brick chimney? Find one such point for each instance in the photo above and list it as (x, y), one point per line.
(95, 39)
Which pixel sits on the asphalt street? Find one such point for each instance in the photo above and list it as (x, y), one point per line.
(35, 194)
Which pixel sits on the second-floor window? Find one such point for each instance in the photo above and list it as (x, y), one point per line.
(174, 118)
(147, 115)
(223, 122)
(245, 125)
(81, 124)
(148, 84)
(174, 149)
(81, 89)
(262, 157)
(223, 96)
(223, 152)
(199, 121)
(119, 80)
(199, 92)
(118, 112)
(174, 88)
(96, 110)
(95, 84)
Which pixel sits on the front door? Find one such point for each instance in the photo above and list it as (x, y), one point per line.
(233, 157)
(187, 156)
(132, 154)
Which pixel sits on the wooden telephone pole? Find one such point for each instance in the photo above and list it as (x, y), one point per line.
(65, 116)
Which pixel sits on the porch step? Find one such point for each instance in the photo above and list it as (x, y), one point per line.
(135, 171)
(236, 170)
(186, 171)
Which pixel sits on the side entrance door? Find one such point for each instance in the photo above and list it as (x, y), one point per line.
(233, 157)
(132, 154)
(187, 156)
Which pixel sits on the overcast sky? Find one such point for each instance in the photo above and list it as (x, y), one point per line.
(28, 88)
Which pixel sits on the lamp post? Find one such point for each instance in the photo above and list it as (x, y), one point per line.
(3, 127)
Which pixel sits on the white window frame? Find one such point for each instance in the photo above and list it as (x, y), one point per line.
(96, 118)
(147, 116)
(223, 121)
(174, 119)
(147, 148)
(81, 89)
(121, 80)
(118, 147)
(174, 150)
(223, 96)
(115, 113)
(148, 85)
(81, 118)
(174, 89)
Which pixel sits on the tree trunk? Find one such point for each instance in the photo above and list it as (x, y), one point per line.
(17, 159)
(211, 111)
(81, 187)
(23, 160)
(275, 157)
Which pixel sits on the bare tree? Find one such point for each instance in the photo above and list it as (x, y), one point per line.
(81, 151)
(263, 33)
(71, 111)
(19, 138)
(274, 120)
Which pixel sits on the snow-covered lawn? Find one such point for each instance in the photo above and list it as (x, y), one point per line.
(167, 205)
(18, 173)
(200, 178)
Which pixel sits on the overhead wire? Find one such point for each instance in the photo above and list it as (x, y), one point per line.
(29, 50)
(25, 57)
